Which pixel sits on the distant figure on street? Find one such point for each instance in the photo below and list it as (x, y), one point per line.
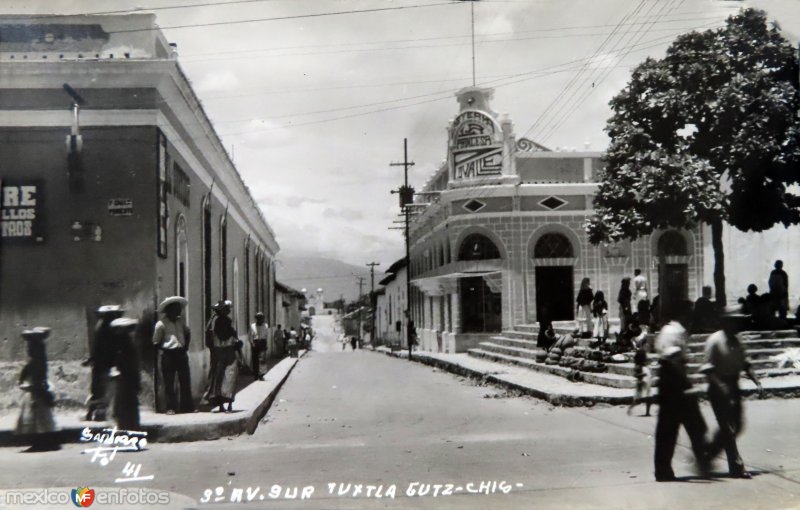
(279, 339)
(101, 359)
(779, 289)
(725, 360)
(128, 378)
(343, 340)
(172, 338)
(584, 308)
(226, 355)
(353, 342)
(600, 314)
(639, 286)
(292, 343)
(259, 337)
(35, 423)
(624, 300)
(705, 316)
(677, 403)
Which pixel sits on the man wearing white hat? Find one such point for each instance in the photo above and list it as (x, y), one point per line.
(172, 336)
(102, 359)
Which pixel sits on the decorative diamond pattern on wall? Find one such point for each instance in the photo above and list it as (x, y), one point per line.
(552, 202)
(474, 205)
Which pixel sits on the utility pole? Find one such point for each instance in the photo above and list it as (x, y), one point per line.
(372, 300)
(360, 295)
(406, 199)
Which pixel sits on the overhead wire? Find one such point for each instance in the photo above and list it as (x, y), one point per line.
(593, 77)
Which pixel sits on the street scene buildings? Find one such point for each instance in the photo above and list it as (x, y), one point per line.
(222, 285)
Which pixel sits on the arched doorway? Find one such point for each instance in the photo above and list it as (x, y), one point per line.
(673, 270)
(481, 307)
(554, 256)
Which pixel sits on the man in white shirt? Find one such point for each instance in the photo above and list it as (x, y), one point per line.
(258, 336)
(725, 360)
(172, 337)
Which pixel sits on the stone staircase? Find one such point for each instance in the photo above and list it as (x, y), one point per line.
(518, 347)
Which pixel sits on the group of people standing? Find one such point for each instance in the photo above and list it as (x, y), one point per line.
(592, 307)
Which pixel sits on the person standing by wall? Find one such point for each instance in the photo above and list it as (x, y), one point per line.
(639, 287)
(584, 308)
(172, 337)
(600, 313)
(101, 359)
(725, 360)
(258, 336)
(779, 289)
(35, 422)
(225, 349)
(624, 300)
(128, 382)
(279, 341)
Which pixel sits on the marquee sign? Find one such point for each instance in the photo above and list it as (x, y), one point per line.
(477, 146)
(21, 212)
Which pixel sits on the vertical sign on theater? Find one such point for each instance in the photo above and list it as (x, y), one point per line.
(476, 145)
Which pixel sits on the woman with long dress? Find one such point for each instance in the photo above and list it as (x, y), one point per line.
(35, 423)
(225, 358)
(584, 308)
(624, 300)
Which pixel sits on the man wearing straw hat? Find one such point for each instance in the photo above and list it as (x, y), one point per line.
(172, 336)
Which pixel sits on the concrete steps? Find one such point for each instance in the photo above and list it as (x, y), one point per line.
(518, 347)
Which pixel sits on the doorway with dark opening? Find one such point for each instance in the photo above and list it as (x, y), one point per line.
(481, 309)
(554, 293)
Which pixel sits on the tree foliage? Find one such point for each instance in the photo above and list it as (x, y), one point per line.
(708, 134)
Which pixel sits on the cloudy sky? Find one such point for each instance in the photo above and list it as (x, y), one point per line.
(315, 105)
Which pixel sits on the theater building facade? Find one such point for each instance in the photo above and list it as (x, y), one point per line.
(125, 199)
(498, 236)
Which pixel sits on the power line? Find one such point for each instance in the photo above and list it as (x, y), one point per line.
(280, 18)
(186, 6)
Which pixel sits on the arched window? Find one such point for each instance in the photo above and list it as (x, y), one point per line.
(672, 243)
(478, 247)
(181, 258)
(552, 246)
(223, 255)
(237, 308)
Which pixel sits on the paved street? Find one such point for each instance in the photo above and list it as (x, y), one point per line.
(371, 422)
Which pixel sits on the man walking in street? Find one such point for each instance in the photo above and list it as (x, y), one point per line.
(724, 360)
(258, 335)
(101, 359)
(779, 289)
(172, 336)
(677, 402)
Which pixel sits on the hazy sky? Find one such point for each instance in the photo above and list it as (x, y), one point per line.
(315, 108)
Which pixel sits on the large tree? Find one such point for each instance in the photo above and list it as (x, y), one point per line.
(709, 134)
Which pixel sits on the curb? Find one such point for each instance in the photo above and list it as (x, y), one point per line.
(229, 425)
(559, 399)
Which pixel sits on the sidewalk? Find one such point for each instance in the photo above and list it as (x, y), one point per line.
(558, 390)
(251, 404)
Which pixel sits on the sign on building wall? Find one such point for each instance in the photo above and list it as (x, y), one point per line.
(163, 214)
(120, 207)
(477, 148)
(21, 212)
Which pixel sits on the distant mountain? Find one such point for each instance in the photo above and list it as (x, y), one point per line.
(312, 272)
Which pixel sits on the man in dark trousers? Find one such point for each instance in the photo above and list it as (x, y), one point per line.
(172, 337)
(259, 337)
(101, 359)
(724, 360)
(677, 403)
(779, 289)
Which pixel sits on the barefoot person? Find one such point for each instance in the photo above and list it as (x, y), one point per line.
(725, 360)
(225, 358)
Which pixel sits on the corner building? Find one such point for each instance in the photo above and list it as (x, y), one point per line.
(498, 236)
(143, 203)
